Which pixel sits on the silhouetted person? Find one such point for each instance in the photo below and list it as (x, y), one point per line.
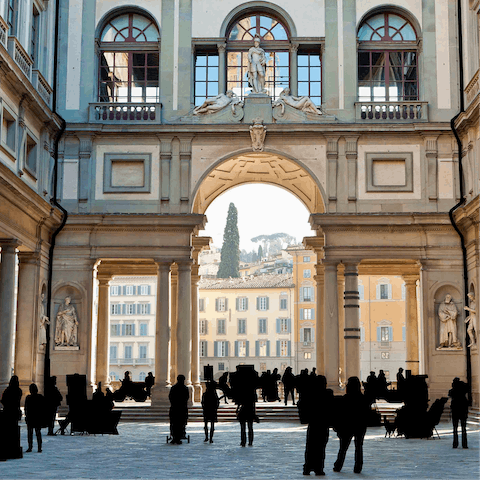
(371, 387)
(400, 383)
(149, 382)
(382, 384)
(303, 384)
(53, 399)
(34, 414)
(178, 414)
(210, 404)
(224, 387)
(288, 380)
(11, 400)
(265, 384)
(313, 373)
(11, 414)
(459, 408)
(354, 409)
(319, 406)
(273, 390)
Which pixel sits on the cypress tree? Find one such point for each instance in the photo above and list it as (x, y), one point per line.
(230, 257)
(260, 253)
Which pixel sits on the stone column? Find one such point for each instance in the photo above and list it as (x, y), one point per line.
(222, 68)
(162, 335)
(103, 330)
(28, 322)
(331, 325)
(293, 69)
(320, 330)
(7, 310)
(411, 324)
(352, 322)
(173, 324)
(195, 359)
(184, 322)
(341, 322)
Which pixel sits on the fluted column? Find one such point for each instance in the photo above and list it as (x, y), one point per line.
(320, 330)
(352, 322)
(173, 323)
(103, 330)
(7, 310)
(184, 322)
(162, 335)
(341, 322)
(222, 68)
(411, 324)
(195, 359)
(331, 324)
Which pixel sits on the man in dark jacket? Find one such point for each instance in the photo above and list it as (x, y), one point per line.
(178, 414)
(288, 380)
(34, 415)
(459, 410)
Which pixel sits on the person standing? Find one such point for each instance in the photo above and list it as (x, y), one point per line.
(12, 414)
(178, 413)
(352, 423)
(34, 414)
(210, 404)
(288, 380)
(318, 403)
(459, 410)
(149, 382)
(53, 399)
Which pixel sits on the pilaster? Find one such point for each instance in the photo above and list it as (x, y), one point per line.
(222, 67)
(351, 153)
(352, 321)
(431, 154)
(411, 324)
(84, 170)
(332, 159)
(165, 159)
(103, 329)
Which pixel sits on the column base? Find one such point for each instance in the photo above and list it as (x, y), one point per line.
(159, 395)
(191, 395)
(197, 392)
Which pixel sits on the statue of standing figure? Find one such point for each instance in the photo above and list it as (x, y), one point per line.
(471, 320)
(447, 312)
(44, 321)
(257, 62)
(66, 331)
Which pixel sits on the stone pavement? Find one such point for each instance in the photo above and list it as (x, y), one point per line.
(140, 451)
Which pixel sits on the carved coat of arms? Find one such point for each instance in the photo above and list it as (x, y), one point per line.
(258, 131)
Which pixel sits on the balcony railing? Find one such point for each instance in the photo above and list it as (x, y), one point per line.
(21, 57)
(132, 361)
(42, 87)
(124, 113)
(391, 112)
(473, 87)
(3, 32)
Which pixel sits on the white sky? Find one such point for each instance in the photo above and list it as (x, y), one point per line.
(262, 210)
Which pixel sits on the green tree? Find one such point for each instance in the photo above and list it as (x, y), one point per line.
(260, 253)
(230, 257)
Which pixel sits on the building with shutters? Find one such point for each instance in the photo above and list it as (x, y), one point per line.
(247, 320)
(132, 327)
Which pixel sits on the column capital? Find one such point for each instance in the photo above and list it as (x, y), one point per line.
(351, 269)
(330, 264)
(163, 263)
(221, 47)
(29, 258)
(184, 265)
(410, 279)
(104, 279)
(9, 245)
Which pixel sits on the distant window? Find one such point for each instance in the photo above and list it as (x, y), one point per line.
(201, 305)
(114, 329)
(34, 34)
(114, 290)
(262, 348)
(129, 329)
(130, 309)
(113, 376)
(221, 304)
(142, 376)
(142, 351)
(263, 303)
(309, 79)
(143, 329)
(283, 348)
(307, 313)
(31, 154)
(242, 304)
(283, 304)
(143, 308)
(263, 367)
(115, 309)
(262, 325)
(221, 349)
(128, 351)
(203, 348)
(12, 13)
(384, 291)
(242, 326)
(206, 76)
(306, 259)
(221, 326)
(203, 327)
(113, 352)
(307, 273)
(144, 289)
(385, 334)
(221, 367)
(129, 290)
(385, 355)
(283, 325)
(307, 293)
(9, 130)
(242, 348)
(307, 335)
(307, 355)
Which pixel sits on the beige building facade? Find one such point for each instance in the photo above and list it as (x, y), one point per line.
(379, 169)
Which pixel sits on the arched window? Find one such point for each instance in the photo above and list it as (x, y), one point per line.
(387, 59)
(113, 376)
(274, 39)
(142, 376)
(129, 60)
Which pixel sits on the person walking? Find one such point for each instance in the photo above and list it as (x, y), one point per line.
(354, 409)
(318, 403)
(178, 413)
(35, 412)
(210, 404)
(288, 380)
(53, 399)
(459, 409)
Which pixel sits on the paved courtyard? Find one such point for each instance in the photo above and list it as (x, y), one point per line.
(140, 451)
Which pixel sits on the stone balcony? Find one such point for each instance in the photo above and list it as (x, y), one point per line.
(125, 113)
(132, 361)
(20, 56)
(395, 112)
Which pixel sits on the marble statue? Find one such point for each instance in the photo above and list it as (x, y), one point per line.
(44, 321)
(305, 104)
(66, 332)
(471, 321)
(447, 312)
(258, 131)
(215, 104)
(257, 62)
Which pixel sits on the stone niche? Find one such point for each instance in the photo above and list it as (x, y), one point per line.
(439, 298)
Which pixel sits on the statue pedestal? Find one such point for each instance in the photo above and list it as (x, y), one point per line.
(258, 105)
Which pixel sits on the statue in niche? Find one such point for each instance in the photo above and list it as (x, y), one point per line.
(44, 321)
(447, 313)
(305, 104)
(66, 332)
(257, 62)
(258, 131)
(471, 320)
(215, 104)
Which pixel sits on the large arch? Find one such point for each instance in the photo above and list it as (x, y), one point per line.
(269, 167)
